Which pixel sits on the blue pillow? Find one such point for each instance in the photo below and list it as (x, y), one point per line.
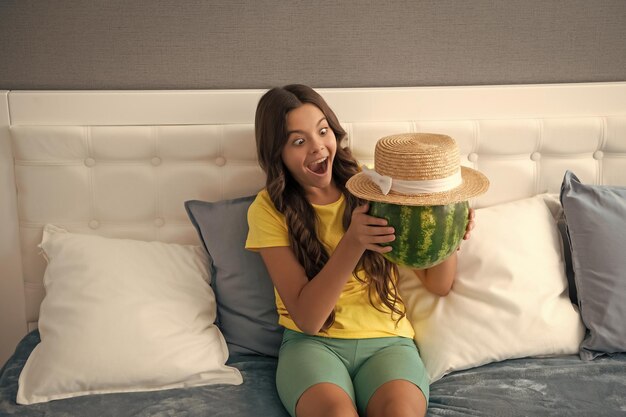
(246, 307)
(596, 226)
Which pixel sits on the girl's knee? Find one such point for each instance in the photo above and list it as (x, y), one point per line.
(402, 409)
(325, 400)
(327, 409)
(336, 410)
(397, 399)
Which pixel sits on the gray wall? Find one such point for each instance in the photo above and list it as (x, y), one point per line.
(157, 44)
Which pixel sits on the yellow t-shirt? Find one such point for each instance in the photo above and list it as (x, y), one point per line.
(355, 317)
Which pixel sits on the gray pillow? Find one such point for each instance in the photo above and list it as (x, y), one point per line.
(596, 225)
(567, 257)
(246, 307)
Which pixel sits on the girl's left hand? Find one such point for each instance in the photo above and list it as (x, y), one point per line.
(470, 224)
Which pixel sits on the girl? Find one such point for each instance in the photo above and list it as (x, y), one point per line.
(348, 347)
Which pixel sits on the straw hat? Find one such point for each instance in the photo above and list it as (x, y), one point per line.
(417, 169)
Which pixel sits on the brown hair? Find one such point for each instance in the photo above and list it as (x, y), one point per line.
(288, 197)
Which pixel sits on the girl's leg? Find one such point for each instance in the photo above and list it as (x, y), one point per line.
(392, 381)
(398, 398)
(312, 380)
(325, 400)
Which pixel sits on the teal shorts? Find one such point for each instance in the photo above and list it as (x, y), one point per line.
(358, 366)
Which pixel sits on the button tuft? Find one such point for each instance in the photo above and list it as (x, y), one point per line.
(472, 157)
(535, 156)
(90, 162)
(598, 155)
(94, 224)
(220, 161)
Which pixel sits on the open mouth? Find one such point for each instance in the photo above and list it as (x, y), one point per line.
(319, 167)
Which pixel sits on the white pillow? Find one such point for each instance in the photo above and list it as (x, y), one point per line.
(122, 315)
(509, 299)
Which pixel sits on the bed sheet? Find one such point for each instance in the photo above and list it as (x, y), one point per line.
(557, 386)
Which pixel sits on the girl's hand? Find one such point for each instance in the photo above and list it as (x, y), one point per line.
(369, 231)
(470, 224)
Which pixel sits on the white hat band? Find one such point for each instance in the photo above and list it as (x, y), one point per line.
(386, 183)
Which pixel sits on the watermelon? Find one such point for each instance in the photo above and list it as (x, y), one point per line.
(425, 235)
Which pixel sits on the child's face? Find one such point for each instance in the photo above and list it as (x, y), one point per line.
(310, 147)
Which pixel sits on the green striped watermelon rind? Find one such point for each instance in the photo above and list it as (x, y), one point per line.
(425, 235)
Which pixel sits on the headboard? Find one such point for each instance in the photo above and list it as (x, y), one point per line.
(121, 163)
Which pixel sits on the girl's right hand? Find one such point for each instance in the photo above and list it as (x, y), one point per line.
(369, 231)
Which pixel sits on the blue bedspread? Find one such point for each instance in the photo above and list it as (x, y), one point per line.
(563, 386)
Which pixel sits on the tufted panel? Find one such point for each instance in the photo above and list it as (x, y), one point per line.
(123, 181)
(521, 157)
(122, 163)
(132, 181)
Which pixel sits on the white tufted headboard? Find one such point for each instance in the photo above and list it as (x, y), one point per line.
(121, 163)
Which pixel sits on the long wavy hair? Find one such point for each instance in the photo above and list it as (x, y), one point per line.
(289, 199)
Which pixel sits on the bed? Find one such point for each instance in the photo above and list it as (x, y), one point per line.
(107, 195)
